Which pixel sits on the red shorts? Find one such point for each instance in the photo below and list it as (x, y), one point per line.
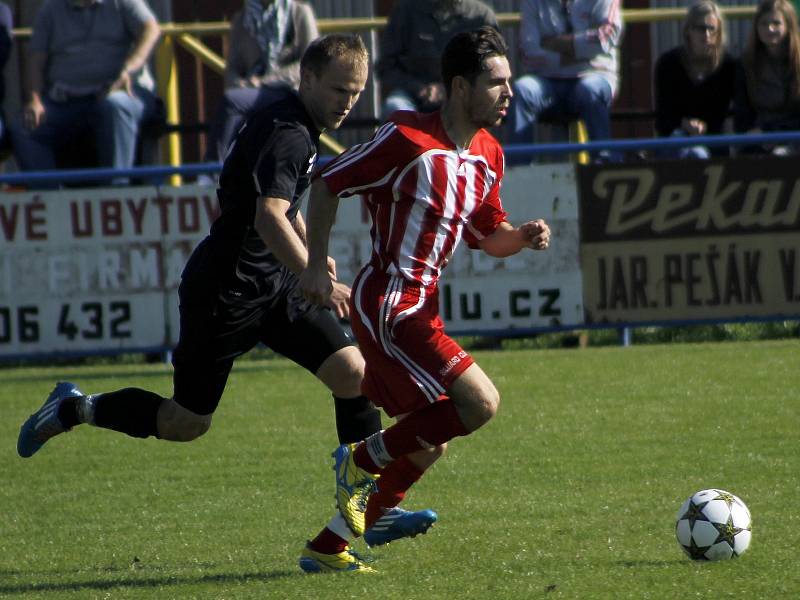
(410, 361)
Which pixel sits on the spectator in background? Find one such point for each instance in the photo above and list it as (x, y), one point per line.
(695, 82)
(768, 87)
(412, 45)
(6, 25)
(268, 38)
(87, 71)
(569, 50)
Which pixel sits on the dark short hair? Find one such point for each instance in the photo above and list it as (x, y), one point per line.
(324, 49)
(466, 53)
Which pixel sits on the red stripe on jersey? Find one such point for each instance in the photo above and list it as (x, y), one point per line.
(421, 192)
(462, 189)
(432, 191)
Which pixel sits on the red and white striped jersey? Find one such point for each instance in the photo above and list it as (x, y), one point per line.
(422, 192)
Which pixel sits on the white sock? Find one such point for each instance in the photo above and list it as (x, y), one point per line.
(377, 450)
(84, 409)
(339, 526)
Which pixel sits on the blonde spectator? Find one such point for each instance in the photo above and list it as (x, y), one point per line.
(695, 82)
(768, 93)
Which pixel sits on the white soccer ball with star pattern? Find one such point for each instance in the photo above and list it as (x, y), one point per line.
(713, 525)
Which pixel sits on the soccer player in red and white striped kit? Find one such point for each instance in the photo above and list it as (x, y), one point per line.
(428, 180)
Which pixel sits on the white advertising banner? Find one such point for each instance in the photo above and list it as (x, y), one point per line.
(86, 271)
(97, 271)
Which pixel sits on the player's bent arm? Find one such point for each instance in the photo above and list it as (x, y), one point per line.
(315, 281)
(299, 226)
(279, 233)
(507, 239)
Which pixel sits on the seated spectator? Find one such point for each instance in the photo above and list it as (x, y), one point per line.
(267, 39)
(695, 82)
(87, 73)
(768, 87)
(6, 25)
(411, 48)
(569, 51)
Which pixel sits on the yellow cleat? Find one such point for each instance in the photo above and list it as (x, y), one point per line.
(353, 487)
(317, 562)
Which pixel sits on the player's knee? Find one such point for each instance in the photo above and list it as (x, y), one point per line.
(184, 430)
(438, 452)
(178, 424)
(343, 372)
(487, 404)
(479, 408)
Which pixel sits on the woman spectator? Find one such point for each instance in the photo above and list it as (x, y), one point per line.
(695, 82)
(268, 38)
(768, 88)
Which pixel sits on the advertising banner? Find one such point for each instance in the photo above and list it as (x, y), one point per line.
(95, 270)
(690, 240)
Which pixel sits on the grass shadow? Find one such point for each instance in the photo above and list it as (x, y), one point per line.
(647, 563)
(78, 375)
(147, 582)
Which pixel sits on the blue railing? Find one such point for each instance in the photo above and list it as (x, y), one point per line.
(514, 153)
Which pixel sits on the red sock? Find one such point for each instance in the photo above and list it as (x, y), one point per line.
(328, 542)
(433, 425)
(395, 480)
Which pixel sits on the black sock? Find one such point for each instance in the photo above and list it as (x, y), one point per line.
(131, 410)
(356, 419)
(68, 413)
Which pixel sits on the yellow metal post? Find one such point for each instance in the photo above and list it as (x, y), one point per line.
(216, 63)
(168, 90)
(577, 133)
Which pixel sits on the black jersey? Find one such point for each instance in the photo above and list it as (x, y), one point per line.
(272, 155)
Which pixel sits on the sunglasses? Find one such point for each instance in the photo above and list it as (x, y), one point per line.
(704, 28)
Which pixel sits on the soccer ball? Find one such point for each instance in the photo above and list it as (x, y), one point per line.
(713, 525)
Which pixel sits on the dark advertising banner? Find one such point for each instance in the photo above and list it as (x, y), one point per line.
(683, 240)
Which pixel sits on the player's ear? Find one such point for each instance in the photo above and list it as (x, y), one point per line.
(459, 86)
(307, 78)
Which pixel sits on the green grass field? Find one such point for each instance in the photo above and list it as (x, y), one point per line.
(570, 492)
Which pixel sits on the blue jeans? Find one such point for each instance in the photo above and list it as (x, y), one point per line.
(235, 104)
(402, 100)
(115, 120)
(397, 100)
(535, 97)
(686, 152)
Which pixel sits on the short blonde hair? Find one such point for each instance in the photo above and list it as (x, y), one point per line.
(349, 47)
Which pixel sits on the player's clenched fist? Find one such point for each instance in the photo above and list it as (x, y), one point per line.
(537, 233)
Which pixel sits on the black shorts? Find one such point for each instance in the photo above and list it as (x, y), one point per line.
(216, 331)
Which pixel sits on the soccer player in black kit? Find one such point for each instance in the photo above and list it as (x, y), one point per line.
(239, 286)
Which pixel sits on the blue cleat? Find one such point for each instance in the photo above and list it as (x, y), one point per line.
(44, 423)
(398, 523)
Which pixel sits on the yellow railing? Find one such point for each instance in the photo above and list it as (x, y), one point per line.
(188, 36)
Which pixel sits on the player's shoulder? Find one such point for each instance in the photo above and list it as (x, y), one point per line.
(488, 146)
(282, 124)
(423, 130)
